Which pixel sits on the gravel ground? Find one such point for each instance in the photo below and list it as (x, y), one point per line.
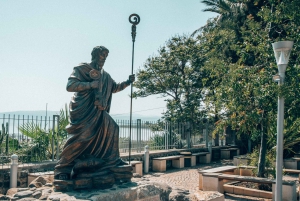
(187, 179)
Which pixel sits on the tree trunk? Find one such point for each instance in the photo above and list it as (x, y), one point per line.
(262, 153)
(217, 134)
(249, 145)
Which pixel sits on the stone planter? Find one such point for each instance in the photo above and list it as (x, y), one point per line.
(238, 190)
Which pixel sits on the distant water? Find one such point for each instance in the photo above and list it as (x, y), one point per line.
(18, 118)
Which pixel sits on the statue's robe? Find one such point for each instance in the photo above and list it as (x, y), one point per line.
(93, 132)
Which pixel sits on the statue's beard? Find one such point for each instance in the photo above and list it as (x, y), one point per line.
(100, 64)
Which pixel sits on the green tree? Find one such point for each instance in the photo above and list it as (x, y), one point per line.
(242, 65)
(175, 74)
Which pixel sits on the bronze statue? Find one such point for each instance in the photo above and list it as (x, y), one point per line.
(93, 150)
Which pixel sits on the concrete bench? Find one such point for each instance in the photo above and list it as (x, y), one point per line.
(202, 157)
(160, 164)
(292, 163)
(189, 159)
(137, 167)
(233, 170)
(241, 160)
(229, 153)
(215, 182)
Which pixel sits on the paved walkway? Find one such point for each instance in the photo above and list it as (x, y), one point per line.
(187, 179)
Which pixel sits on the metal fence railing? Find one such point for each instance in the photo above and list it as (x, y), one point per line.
(36, 139)
(156, 134)
(33, 139)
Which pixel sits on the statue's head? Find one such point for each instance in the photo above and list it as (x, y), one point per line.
(99, 55)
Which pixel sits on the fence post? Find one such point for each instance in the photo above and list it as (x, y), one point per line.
(53, 135)
(57, 140)
(139, 133)
(210, 149)
(14, 171)
(188, 137)
(233, 138)
(146, 159)
(52, 141)
(206, 133)
(167, 142)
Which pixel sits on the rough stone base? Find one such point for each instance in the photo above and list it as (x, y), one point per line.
(41, 190)
(207, 196)
(141, 192)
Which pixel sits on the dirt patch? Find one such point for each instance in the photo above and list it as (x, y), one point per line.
(264, 187)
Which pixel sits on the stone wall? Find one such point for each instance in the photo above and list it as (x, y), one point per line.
(23, 171)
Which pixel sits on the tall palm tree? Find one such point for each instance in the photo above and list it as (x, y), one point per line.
(227, 9)
(233, 13)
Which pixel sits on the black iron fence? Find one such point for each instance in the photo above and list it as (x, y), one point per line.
(36, 139)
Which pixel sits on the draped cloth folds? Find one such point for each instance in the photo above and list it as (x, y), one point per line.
(92, 130)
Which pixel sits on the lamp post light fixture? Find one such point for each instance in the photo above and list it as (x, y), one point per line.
(282, 50)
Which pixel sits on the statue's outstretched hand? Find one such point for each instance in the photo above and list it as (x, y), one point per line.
(95, 84)
(131, 78)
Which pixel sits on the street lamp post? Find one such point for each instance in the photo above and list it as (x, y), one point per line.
(282, 50)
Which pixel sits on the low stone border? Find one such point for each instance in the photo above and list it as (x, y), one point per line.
(238, 190)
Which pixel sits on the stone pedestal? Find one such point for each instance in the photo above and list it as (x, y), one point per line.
(90, 174)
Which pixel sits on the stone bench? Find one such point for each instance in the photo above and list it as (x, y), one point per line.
(229, 153)
(160, 164)
(292, 163)
(202, 157)
(189, 159)
(137, 167)
(215, 182)
(241, 160)
(233, 170)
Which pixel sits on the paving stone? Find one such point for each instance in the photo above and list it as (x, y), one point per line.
(157, 174)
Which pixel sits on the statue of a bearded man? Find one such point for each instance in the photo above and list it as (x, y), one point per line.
(92, 151)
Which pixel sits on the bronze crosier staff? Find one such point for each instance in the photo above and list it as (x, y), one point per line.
(134, 19)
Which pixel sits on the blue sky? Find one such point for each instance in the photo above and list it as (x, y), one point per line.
(41, 41)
